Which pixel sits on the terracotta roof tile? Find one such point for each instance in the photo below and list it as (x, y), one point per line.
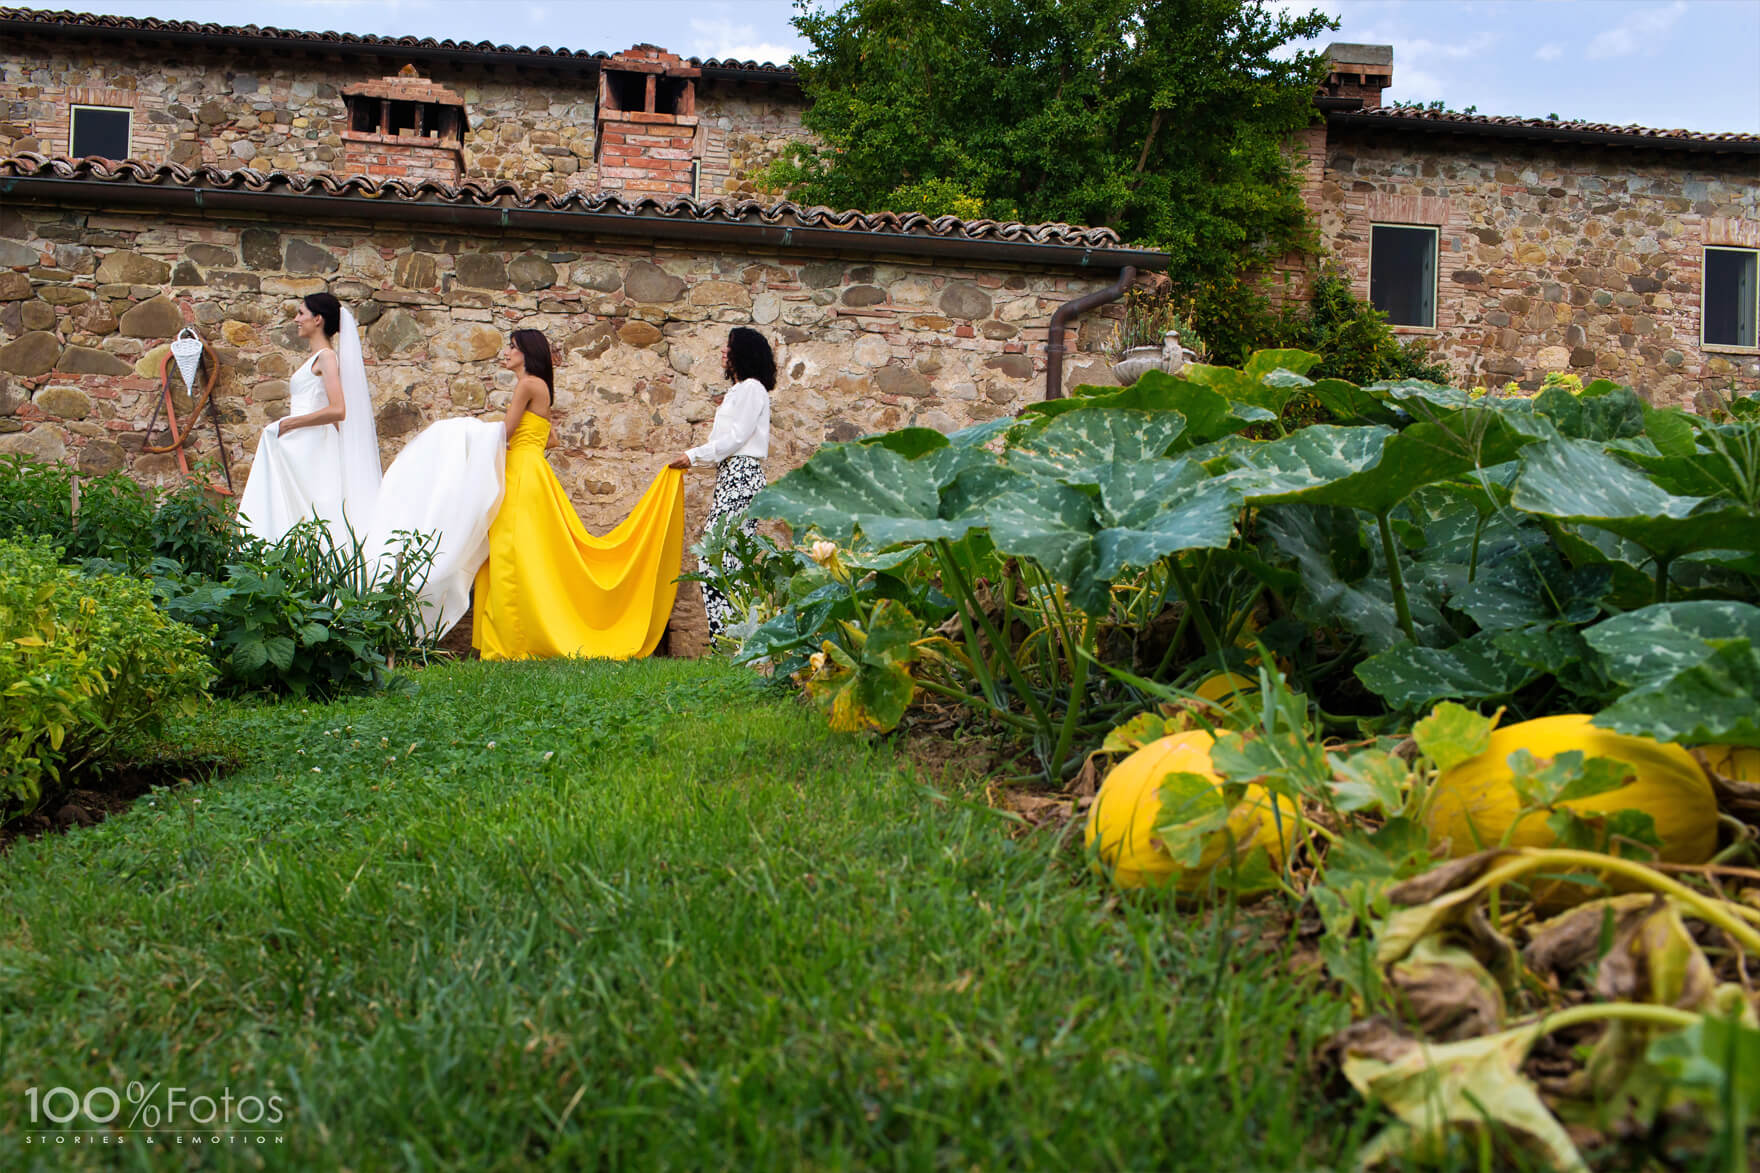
(506, 194)
(75, 23)
(1441, 120)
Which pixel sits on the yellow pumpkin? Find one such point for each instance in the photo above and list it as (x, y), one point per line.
(1738, 762)
(1224, 686)
(1127, 811)
(1474, 803)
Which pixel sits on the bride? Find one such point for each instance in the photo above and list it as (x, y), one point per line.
(322, 459)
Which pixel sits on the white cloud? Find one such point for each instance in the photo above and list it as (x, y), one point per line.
(1549, 52)
(1639, 32)
(735, 42)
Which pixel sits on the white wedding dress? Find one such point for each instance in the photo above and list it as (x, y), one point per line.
(447, 481)
(331, 471)
(295, 476)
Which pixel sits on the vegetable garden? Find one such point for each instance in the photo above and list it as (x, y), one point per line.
(1453, 698)
(1466, 689)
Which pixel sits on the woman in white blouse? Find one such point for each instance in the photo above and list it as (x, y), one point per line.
(738, 444)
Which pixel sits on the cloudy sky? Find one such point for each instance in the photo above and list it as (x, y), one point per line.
(1663, 63)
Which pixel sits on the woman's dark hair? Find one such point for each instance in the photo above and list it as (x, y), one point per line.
(536, 348)
(328, 309)
(749, 357)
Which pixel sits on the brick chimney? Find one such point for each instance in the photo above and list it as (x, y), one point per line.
(1359, 71)
(646, 140)
(404, 127)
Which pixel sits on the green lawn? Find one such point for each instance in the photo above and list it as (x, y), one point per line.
(630, 916)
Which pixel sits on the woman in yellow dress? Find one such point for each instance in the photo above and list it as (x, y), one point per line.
(550, 588)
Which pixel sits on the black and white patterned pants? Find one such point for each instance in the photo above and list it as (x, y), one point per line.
(737, 481)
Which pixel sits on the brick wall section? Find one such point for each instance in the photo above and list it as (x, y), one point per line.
(647, 157)
(1553, 257)
(386, 156)
(89, 299)
(534, 127)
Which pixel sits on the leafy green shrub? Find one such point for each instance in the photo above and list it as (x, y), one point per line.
(196, 529)
(1351, 337)
(306, 615)
(117, 520)
(86, 665)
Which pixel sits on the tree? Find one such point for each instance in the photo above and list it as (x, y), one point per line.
(1167, 120)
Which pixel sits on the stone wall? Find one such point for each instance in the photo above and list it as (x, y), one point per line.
(745, 127)
(89, 300)
(534, 127)
(1553, 257)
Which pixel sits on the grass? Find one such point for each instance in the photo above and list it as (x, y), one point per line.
(644, 916)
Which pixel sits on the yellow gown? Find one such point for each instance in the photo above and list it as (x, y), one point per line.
(550, 588)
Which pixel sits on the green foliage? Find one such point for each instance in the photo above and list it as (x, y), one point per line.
(1419, 545)
(1164, 119)
(87, 665)
(306, 615)
(117, 519)
(1351, 337)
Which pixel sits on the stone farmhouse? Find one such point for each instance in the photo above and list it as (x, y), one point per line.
(1521, 246)
(162, 174)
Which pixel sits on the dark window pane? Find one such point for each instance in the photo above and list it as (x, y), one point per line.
(100, 132)
(1729, 296)
(1402, 274)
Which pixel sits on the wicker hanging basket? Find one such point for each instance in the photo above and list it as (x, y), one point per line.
(186, 348)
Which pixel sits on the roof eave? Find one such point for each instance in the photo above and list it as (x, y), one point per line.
(1605, 138)
(650, 226)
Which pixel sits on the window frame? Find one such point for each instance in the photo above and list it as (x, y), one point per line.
(1435, 231)
(1729, 347)
(73, 126)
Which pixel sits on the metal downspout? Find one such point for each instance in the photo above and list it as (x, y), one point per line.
(1061, 318)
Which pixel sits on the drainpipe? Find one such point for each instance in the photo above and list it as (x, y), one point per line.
(1060, 321)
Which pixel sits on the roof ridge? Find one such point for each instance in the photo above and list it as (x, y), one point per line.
(1631, 130)
(71, 21)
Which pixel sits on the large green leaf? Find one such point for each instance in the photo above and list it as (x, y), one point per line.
(1186, 509)
(1350, 403)
(1371, 468)
(1269, 381)
(1054, 525)
(977, 435)
(1262, 364)
(1423, 399)
(1410, 677)
(846, 487)
(1079, 447)
(1577, 481)
(1311, 459)
(1716, 701)
(1209, 415)
(1337, 569)
(1665, 638)
(909, 443)
(1530, 586)
(1603, 411)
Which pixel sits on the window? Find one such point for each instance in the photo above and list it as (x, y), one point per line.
(1731, 302)
(1402, 274)
(100, 130)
